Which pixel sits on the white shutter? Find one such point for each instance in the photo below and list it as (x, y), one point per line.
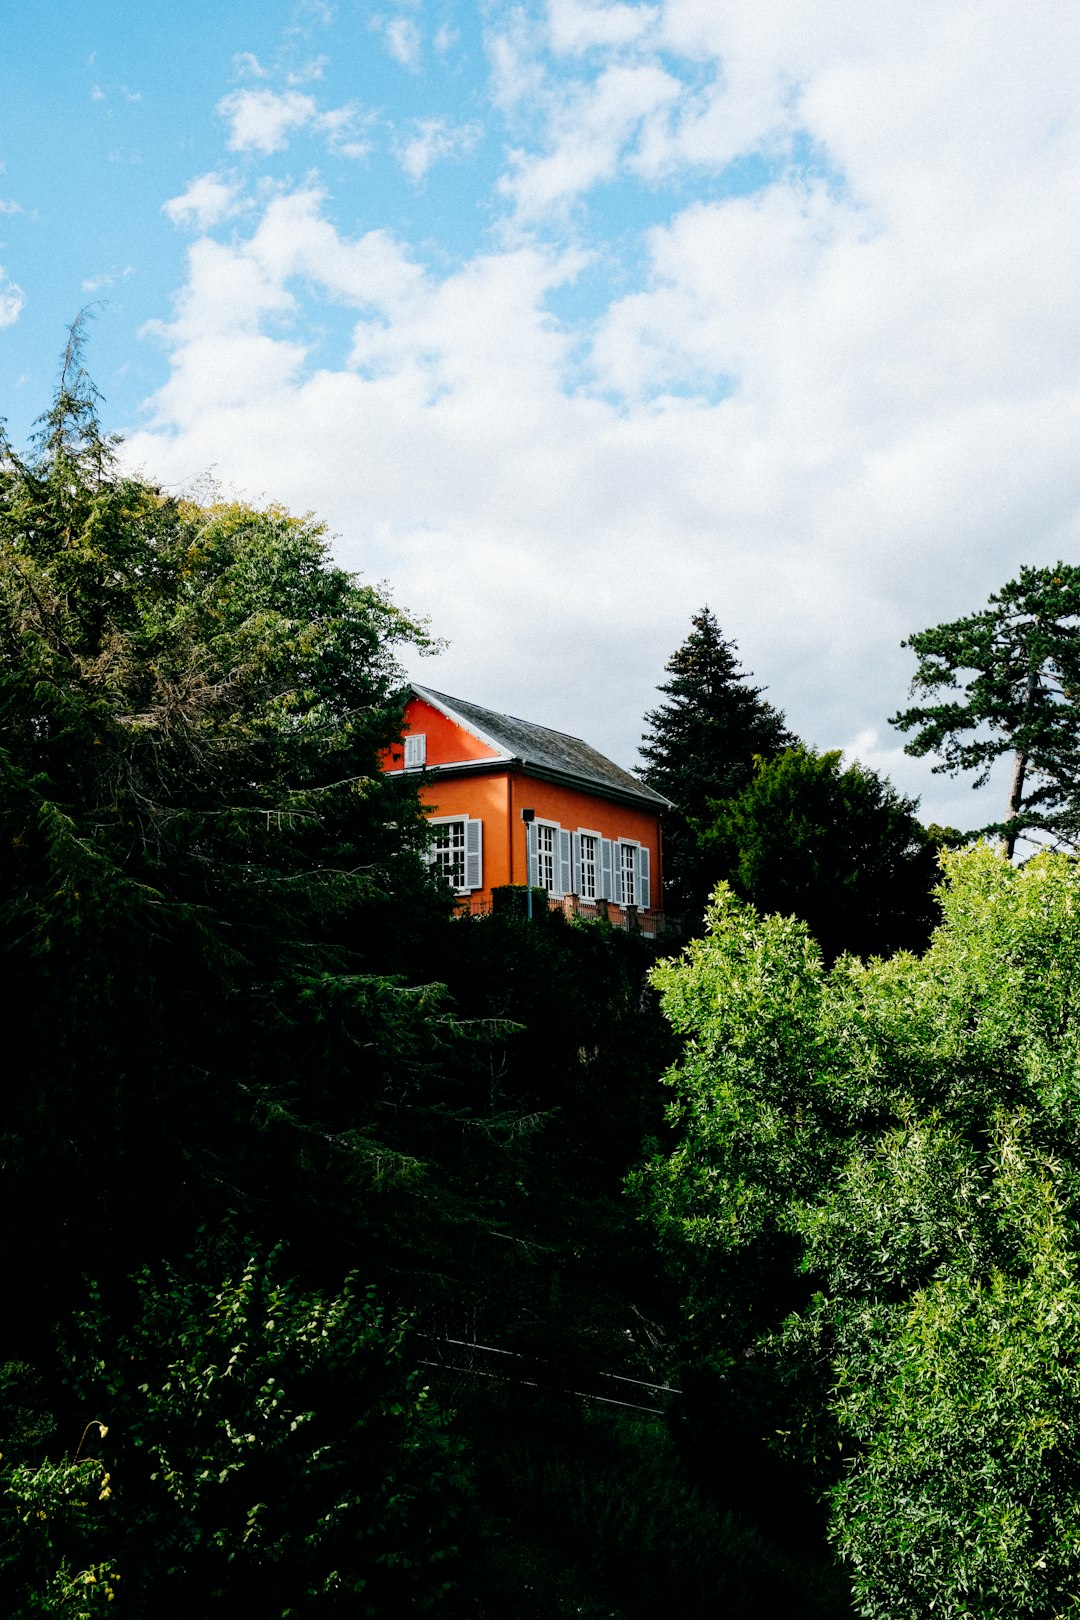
(575, 859)
(607, 887)
(474, 854)
(643, 878)
(415, 750)
(565, 874)
(533, 872)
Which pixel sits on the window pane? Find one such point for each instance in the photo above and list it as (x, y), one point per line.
(449, 852)
(545, 852)
(588, 867)
(628, 864)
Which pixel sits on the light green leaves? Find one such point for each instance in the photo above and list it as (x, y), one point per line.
(906, 1136)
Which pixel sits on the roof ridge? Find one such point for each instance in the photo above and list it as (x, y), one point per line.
(540, 747)
(504, 714)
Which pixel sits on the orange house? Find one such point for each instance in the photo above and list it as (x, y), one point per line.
(511, 802)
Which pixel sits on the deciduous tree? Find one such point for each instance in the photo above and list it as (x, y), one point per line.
(839, 848)
(873, 1206)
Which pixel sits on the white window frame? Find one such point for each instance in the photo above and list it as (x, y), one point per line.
(472, 851)
(597, 866)
(628, 872)
(634, 862)
(415, 750)
(544, 830)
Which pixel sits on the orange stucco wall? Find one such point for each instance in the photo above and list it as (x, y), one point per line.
(446, 742)
(497, 798)
(485, 798)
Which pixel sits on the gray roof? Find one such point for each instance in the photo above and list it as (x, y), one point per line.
(547, 753)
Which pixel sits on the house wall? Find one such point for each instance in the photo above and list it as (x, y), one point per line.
(498, 799)
(484, 797)
(446, 742)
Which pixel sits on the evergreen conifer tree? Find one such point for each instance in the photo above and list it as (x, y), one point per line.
(701, 745)
(1010, 675)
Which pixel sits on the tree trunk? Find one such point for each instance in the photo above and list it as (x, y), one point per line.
(1020, 760)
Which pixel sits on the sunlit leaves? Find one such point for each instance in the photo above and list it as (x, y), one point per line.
(902, 1136)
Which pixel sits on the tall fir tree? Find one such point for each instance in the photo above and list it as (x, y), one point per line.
(700, 747)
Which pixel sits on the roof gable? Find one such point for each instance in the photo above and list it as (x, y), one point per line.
(542, 750)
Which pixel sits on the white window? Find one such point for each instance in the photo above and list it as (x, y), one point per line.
(588, 867)
(628, 889)
(547, 841)
(630, 874)
(550, 860)
(415, 750)
(456, 851)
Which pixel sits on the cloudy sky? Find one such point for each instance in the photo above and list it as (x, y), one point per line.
(571, 317)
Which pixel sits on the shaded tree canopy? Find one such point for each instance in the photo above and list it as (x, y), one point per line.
(1021, 697)
(841, 849)
(701, 744)
(269, 1109)
(200, 858)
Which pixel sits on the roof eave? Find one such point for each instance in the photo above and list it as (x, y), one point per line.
(650, 800)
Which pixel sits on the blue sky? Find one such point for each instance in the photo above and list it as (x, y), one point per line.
(571, 317)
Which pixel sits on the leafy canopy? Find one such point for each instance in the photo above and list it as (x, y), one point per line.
(1021, 697)
(872, 1204)
(201, 862)
(839, 848)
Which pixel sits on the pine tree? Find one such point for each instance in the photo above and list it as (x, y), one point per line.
(1016, 663)
(701, 747)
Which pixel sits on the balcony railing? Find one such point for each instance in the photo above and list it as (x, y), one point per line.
(634, 919)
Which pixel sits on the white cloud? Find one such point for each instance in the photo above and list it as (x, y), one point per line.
(591, 126)
(838, 409)
(7, 207)
(108, 278)
(309, 71)
(579, 27)
(247, 66)
(262, 120)
(12, 299)
(344, 130)
(207, 201)
(403, 41)
(432, 141)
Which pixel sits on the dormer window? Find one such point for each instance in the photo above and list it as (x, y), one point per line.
(415, 750)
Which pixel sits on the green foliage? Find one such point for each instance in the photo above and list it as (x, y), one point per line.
(1022, 653)
(199, 859)
(841, 849)
(55, 1520)
(235, 1002)
(700, 747)
(273, 1451)
(873, 1200)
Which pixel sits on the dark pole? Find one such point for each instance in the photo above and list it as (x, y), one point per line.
(528, 816)
(1020, 763)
